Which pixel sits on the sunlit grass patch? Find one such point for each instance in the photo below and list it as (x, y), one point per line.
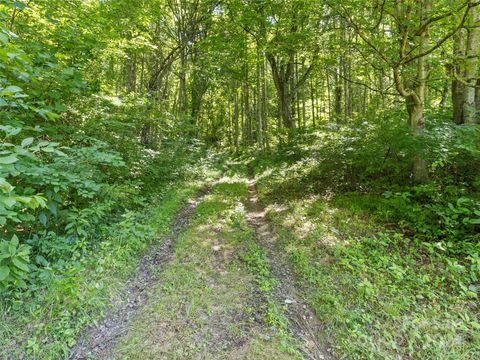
(232, 187)
(220, 198)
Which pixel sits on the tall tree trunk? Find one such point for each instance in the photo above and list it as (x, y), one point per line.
(130, 69)
(290, 86)
(471, 66)
(304, 115)
(259, 100)
(235, 120)
(296, 103)
(329, 96)
(347, 86)
(283, 73)
(264, 104)
(444, 98)
(182, 84)
(417, 121)
(338, 94)
(142, 75)
(458, 87)
(312, 102)
(477, 98)
(199, 87)
(243, 113)
(285, 107)
(282, 81)
(420, 172)
(414, 94)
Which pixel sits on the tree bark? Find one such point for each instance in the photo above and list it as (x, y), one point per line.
(471, 67)
(312, 103)
(414, 95)
(417, 121)
(259, 100)
(338, 94)
(235, 121)
(458, 88)
(281, 79)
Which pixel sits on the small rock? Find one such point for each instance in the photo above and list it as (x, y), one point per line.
(289, 301)
(216, 248)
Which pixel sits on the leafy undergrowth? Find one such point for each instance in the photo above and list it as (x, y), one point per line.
(392, 274)
(44, 321)
(206, 305)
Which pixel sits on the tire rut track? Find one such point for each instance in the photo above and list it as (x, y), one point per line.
(304, 326)
(97, 340)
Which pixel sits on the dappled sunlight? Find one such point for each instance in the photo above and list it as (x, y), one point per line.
(113, 100)
(186, 179)
(232, 180)
(276, 208)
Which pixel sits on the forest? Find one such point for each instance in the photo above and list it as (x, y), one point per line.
(240, 179)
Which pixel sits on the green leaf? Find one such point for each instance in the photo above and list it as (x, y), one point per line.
(8, 201)
(3, 38)
(52, 206)
(41, 201)
(19, 5)
(12, 89)
(22, 265)
(10, 159)
(47, 114)
(43, 219)
(27, 141)
(4, 272)
(27, 201)
(10, 130)
(60, 107)
(48, 149)
(5, 185)
(14, 241)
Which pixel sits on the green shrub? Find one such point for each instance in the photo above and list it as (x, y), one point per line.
(14, 259)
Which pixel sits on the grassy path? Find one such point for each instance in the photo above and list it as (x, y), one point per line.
(99, 338)
(304, 324)
(211, 294)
